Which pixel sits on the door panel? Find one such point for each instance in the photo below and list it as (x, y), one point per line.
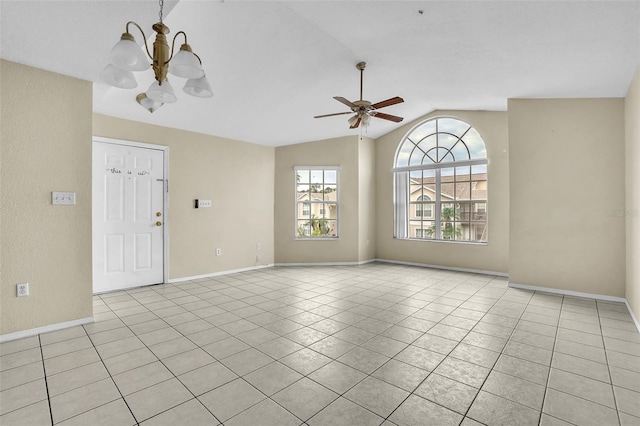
(143, 252)
(114, 256)
(128, 216)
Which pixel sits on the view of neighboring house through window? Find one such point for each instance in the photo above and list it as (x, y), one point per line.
(440, 183)
(316, 202)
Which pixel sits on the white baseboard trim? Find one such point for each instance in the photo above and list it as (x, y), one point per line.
(217, 274)
(360, 262)
(446, 268)
(633, 316)
(567, 292)
(603, 297)
(45, 329)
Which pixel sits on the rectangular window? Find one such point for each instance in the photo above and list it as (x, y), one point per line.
(316, 202)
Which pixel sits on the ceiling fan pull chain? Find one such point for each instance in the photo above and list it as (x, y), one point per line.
(161, 7)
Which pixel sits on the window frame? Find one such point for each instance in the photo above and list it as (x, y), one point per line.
(402, 225)
(420, 205)
(323, 205)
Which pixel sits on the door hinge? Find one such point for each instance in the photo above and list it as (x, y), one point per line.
(167, 183)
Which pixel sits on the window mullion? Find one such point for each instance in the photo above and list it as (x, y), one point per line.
(437, 206)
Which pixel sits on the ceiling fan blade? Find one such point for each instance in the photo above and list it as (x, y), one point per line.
(331, 115)
(356, 124)
(388, 102)
(345, 101)
(389, 117)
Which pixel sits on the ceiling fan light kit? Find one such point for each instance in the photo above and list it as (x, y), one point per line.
(127, 57)
(364, 110)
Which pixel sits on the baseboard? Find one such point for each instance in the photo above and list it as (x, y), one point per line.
(44, 329)
(567, 292)
(633, 317)
(217, 274)
(446, 268)
(356, 263)
(579, 294)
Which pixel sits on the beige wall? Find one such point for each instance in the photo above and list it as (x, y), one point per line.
(341, 152)
(562, 152)
(45, 146)
(493, 256)
(632, 167)
(366, 199)
(237, 176)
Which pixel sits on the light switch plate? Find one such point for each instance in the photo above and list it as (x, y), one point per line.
(63, 198)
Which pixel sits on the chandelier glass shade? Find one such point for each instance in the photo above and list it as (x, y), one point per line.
(118, 77)
(198, 87)
(127, 57)
(363, 116)
(148, 103)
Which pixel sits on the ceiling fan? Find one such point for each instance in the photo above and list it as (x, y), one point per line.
(364, 110)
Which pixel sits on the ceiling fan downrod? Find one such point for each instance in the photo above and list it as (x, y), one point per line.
(361, 66)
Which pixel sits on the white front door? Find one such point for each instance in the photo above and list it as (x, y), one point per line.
(128, 216)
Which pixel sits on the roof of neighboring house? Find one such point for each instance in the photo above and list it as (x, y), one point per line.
(453, 187)
(317, 196)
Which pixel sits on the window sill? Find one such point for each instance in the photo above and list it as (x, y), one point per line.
(473, 243)
(316, 238)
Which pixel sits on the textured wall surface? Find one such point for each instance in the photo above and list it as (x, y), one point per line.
(632, 162)
(45, 146)
(567, 179)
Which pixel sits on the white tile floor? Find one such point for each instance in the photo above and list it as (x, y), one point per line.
(377, 344)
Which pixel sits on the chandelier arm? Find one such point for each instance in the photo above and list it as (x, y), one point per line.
(173, 44)
(144, 37)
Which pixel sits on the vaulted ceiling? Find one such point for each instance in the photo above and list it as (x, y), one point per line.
(273, 65)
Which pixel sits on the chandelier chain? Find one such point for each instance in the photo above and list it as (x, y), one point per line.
(161, 7)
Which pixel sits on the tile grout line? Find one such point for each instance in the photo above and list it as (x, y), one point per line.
(108, 372)
(606, 358)
(553, 352)
(46, 384)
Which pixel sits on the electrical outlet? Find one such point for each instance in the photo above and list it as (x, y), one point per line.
(218, 252)
(22, 289)
(257, 258)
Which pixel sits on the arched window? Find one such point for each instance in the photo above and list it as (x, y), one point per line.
(440, 183)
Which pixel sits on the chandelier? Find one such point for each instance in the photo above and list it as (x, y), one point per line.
(127, 56)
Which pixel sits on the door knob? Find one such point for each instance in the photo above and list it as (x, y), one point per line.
(158, 223)
(158, 214)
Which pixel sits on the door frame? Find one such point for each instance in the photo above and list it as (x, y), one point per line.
(165, 198)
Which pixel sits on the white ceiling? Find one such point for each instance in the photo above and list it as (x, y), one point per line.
(274, 65)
